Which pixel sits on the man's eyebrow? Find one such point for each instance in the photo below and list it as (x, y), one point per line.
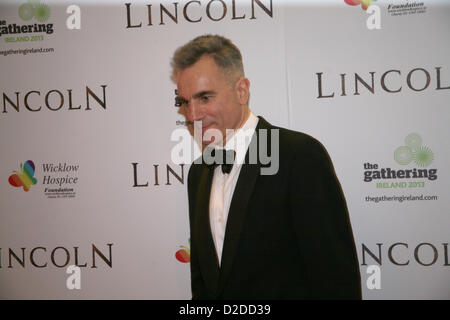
(203, 93)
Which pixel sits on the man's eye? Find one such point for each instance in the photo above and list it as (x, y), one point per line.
(205, 98)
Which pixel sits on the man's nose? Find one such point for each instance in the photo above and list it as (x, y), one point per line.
(194, 112)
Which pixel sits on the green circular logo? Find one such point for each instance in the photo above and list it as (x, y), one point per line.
(26, 11)
(413, 140)
(33, 8)
(42, 12)
(423, 157)
(403, 155)
(413, 150)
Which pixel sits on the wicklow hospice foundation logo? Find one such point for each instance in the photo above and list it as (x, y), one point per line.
(59, 180)
(24, 178)
(364, 3)
(406, 8)
(184, 255)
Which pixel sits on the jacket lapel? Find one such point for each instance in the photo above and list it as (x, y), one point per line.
(207, 252)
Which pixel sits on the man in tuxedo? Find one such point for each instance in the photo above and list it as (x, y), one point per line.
(284, 234)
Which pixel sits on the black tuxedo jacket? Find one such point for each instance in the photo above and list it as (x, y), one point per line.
(288, 235)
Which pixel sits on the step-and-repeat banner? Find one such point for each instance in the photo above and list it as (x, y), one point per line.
(92, 205)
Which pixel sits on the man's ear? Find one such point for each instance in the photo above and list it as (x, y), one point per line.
(242, 88)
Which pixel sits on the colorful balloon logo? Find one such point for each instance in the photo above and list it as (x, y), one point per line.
(364, 3)
(24, 178)
(184, 255)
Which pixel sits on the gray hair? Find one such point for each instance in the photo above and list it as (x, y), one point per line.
(226, 55)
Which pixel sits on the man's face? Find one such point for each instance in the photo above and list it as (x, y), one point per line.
(207, 95)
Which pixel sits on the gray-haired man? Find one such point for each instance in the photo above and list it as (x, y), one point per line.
(259, 236)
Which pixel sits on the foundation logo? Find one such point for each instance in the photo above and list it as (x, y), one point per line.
(364, 3)
(413, 150)
(34, 9)
(58, 180)
(24, 178)
(184, 255)
(406, 7)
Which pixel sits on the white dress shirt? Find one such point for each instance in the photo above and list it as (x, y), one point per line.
(223, 184)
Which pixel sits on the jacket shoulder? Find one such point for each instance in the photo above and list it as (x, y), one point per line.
(300, 144)
(293, 139)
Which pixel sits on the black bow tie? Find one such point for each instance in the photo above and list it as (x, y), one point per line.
(222, 157)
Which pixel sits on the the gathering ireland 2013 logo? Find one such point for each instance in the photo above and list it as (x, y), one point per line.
(414, 156)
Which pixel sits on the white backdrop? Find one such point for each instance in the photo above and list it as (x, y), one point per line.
(126, 217)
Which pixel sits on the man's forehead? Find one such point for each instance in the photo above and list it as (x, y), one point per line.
(193, 90)
(189, 86)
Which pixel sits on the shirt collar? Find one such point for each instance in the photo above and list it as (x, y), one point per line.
(240, 141)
